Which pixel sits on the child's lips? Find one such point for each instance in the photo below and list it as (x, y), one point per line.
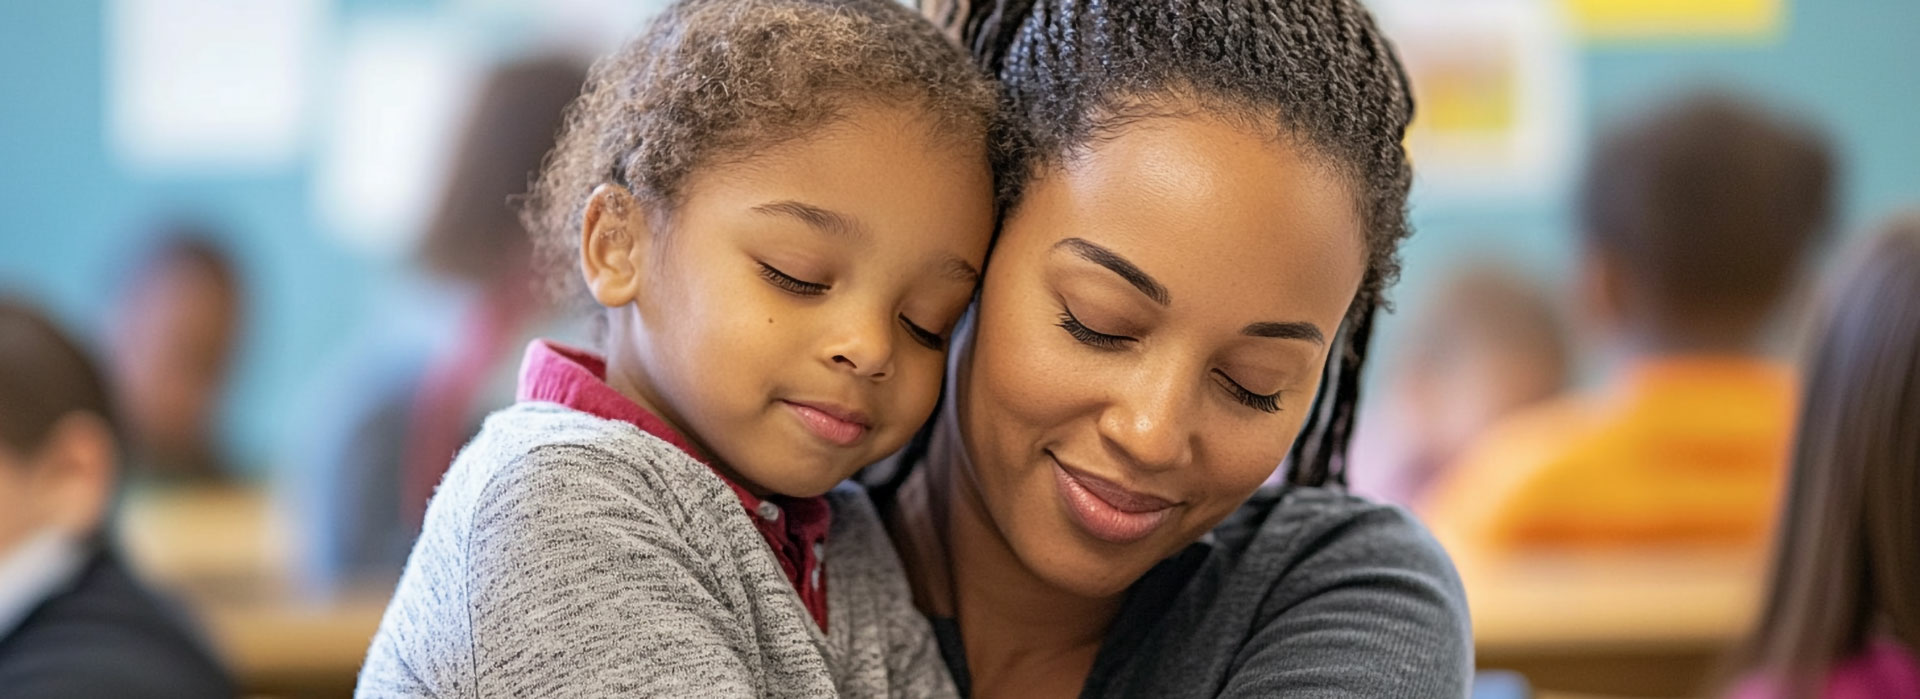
(834, 423)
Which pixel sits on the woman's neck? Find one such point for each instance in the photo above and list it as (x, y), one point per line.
(1023, 636)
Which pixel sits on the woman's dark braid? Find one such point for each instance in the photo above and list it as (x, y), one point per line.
(1316, 70)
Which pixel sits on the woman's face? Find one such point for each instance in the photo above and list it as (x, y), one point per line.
(1152, 328)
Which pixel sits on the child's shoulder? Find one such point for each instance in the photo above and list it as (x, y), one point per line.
(531, 450)
(858, 544)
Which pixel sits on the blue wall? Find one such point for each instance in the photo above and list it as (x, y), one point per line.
(72, 213)
(1854, 67)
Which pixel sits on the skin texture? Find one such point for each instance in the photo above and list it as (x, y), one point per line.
(65, 484)
(1237, 230)
(705, 333)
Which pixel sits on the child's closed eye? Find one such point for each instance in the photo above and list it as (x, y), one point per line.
(790, 283)
(932, 340)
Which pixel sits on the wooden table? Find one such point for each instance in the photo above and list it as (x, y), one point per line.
(1643, 625)
(224, 554)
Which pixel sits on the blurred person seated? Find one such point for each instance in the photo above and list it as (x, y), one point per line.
(1695, 219)
(397, 407)
(1842, 618)
(74, 622)
(171, 343)
(1486, 344)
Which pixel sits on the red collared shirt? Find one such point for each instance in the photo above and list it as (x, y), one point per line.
(796, 528)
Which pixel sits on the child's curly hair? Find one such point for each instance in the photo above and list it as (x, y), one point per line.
(715, 79)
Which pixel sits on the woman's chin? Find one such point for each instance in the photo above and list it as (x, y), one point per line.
(1087, 572)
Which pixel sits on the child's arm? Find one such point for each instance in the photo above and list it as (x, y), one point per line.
(587, 581)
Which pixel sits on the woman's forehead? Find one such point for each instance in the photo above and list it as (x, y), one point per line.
(1198, 199)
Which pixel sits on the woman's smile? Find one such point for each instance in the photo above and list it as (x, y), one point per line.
(1107, 510)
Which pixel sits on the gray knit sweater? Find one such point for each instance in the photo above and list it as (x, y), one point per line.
(569, 556)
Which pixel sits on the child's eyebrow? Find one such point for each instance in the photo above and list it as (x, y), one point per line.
(820, 219)
(959, 270)
(838, 224)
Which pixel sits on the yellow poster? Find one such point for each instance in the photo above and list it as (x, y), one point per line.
(1632, 20)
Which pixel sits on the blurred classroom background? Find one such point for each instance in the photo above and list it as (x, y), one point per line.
(298, 176)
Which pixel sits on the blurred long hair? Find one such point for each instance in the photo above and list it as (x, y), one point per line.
(1847, 562)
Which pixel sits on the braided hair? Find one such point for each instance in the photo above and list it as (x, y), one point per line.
(1315, 72)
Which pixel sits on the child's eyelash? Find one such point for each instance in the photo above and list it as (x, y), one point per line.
(932, 340)
(1088, 336)
(790, 283)
(1260, 402)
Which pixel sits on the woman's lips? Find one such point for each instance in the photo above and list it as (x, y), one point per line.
(834, 424)
(1106, 510)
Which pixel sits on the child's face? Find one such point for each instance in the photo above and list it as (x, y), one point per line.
(792, 317)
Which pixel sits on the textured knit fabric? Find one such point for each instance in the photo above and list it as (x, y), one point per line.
(795, 528)
(1303, 592)
(570, 556)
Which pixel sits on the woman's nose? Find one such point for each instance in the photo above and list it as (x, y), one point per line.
(1152, 426)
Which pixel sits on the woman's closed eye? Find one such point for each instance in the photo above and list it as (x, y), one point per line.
(1266, 403)
(1088, 336)
(790, 283)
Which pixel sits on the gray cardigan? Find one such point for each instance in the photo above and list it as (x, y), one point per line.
(569, 556)
(1302, 592)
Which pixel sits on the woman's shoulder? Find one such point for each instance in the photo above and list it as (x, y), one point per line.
(1296, 542)
(1300, 523)
(1292, 569)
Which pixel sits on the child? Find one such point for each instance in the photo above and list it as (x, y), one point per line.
(75, 621)
(1843, 615)
(783, 207)
(1694, 220)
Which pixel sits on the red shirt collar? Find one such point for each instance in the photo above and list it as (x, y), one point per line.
(796, 528)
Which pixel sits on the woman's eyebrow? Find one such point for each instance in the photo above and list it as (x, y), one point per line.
(1118, 265)
(1291, 330)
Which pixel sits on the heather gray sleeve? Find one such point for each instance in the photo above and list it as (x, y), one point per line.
(891, 650)
(581, 589)
(568, 556)
(1372, 608)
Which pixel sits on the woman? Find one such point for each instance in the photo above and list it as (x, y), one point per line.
(1202, 204)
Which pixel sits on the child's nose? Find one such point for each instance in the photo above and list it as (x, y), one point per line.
(865, 349)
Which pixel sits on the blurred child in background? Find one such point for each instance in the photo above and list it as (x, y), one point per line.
(1485, 345)
(1695, 219)
(74, 622)
(390, 417)
(1842, 619)
(171, 343)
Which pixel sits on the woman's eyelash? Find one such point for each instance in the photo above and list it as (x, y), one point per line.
(931, 339)
(1088, 336)
(1260, 402)
(790, 283)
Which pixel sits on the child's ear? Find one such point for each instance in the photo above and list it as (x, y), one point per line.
(615, 239)
(76, 473)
